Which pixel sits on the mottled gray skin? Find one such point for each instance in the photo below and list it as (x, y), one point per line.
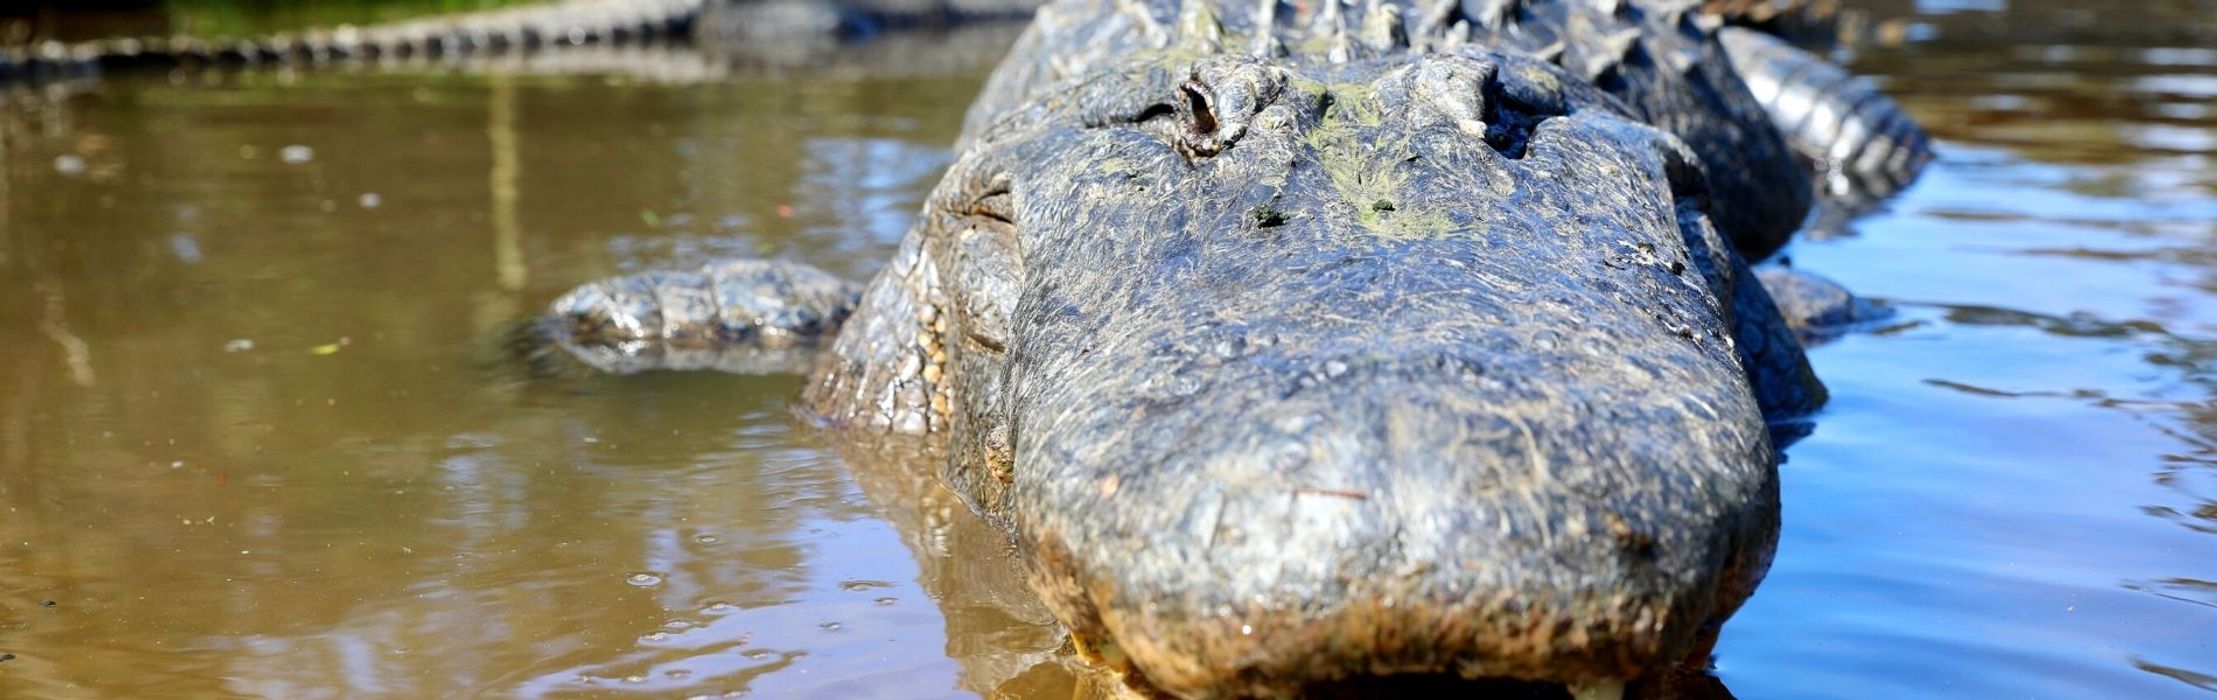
(1660, 58)
(1294, 346)
(1818, 309)
(1864, 146)
(1498, 429)
(740, 316)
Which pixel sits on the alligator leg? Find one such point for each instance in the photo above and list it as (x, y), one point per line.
(1817, 309)
(742, 316)
(1786, 389)
(1865, 146)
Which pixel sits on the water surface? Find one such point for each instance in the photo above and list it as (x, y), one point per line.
(257, 438)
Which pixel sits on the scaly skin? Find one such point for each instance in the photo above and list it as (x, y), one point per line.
(771, 29)
(1658, 57)
(1256, 431)
(1299, 345)
(740, 316)
(1864, 145)
(510, 30)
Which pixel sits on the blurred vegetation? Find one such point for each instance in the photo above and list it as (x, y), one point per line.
(240, 17)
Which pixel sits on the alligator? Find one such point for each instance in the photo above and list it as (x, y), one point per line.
(788, 32)
(1300, 344)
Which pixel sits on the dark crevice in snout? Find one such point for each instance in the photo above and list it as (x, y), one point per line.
(1183, 121)
(1200, 117)
(1510, 121)
(1158, 110)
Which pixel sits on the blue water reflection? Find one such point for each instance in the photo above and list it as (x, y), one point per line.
(2012, 493)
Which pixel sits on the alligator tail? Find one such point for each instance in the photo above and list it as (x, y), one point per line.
(1820, 23)
(1862, 142)
(490, 32)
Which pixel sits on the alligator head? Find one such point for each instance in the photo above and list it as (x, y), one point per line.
(1283, 373)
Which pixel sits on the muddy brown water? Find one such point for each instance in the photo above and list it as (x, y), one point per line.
(254, 441)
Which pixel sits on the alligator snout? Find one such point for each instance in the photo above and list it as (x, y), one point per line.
(1364, 516)
(1428, 373)
(1256, 463)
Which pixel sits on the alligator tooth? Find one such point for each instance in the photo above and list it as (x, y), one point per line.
(1598, 690)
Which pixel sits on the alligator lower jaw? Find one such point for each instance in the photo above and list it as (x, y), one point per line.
(1392, 687)
(1108, 670)
(1103, 684)
(1106, 676)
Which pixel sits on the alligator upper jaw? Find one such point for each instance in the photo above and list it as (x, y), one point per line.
(1397, 522)
(1247, 501)
(1367, 394)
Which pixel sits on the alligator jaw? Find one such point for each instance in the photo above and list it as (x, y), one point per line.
(1418, 425)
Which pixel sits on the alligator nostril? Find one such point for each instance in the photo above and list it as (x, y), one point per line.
(1199, 116)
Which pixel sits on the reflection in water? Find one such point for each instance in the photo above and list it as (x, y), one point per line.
(1974, 510)
(1007, 641)
(290, 473)
(253, 440)
(500, 128)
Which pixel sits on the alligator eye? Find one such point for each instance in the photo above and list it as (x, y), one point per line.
(997, 206)
(993, 200)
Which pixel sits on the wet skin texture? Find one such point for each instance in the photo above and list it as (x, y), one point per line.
(1298, 346)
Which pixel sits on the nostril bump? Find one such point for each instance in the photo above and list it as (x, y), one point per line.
(1200, 118)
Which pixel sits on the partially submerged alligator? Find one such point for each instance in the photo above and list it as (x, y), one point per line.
(770, 27)
(1305, 342)
(525, 28)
